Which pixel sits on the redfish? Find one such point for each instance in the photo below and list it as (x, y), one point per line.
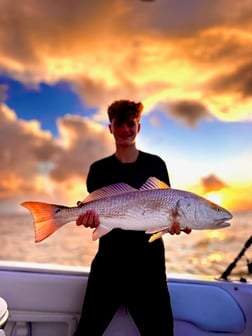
(153, 209)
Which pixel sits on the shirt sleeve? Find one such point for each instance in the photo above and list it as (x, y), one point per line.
(165, 175)
(92, 179)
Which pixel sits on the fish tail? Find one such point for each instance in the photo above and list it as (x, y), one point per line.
(44, 220)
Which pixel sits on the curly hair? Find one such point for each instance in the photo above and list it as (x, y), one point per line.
(122, 110)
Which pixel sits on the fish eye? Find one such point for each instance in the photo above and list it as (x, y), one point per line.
(57, 210)
(214, 206)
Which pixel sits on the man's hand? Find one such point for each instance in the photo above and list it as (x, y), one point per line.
(187, 230)
(175, 229)
(88, 219)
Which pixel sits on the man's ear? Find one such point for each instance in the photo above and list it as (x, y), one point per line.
(110, 129)
(138, 127)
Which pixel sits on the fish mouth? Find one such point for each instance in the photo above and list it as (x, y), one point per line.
(222, 223)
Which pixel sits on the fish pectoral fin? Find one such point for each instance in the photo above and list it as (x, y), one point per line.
(100, 231)
(157, 235)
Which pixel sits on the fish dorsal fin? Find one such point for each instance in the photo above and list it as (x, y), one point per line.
(154, 183)
(108, 191)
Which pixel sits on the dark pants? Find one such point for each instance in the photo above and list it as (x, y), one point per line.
(139, 285)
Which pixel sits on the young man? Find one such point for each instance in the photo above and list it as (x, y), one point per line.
(127, 269)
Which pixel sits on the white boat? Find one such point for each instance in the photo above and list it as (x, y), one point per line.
(46, 300)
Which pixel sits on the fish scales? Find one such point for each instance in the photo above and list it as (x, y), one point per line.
(153, 208)
(135, 210)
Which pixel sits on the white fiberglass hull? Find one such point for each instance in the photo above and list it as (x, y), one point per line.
(46, 301)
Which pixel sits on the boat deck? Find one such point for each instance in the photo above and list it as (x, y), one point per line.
(46, 300)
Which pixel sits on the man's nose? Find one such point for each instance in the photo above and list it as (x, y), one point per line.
(124, 127)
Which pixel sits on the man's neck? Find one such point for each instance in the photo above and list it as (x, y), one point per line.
(127, 154)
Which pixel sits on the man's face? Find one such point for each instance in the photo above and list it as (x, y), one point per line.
(124, 132)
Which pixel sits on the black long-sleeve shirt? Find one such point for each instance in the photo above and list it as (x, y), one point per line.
(109, 170)
(127, 269)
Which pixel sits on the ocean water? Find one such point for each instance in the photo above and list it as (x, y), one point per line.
(206, 252)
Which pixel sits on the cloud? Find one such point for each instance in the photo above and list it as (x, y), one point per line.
(212, 183)
(186, 51)
(189, 112)
(33, 163)
(83, 141)
(236, 81)
(23, 146)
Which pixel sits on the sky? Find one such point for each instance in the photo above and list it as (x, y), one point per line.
(63, 62)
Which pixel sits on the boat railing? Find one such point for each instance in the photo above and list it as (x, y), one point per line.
(233, 264)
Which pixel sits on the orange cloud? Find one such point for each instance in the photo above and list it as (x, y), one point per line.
(212, 183)
(191, 61)
(170, 52)
(35, 164)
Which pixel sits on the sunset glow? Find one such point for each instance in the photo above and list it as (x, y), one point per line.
(215, 197)
(189, 66)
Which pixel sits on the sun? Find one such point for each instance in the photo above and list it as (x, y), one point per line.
(214, 197)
